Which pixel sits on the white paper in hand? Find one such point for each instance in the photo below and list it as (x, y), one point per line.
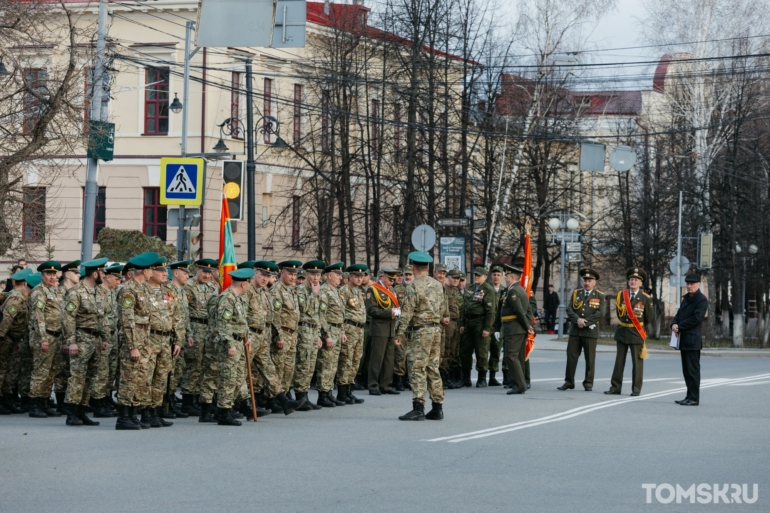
(674, 340)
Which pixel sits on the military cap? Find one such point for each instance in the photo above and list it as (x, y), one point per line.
(50, 266)
(345, 276)
(480, 271)
(265, 267)
(420, 257)
(34, 279)
(20, 275)
(128, 267)
(241, 274)
(399, 271)
(82, 272)
(207, 264)
(314, 266)
(455, 273)
(692, 278)
(94, 265)
(589, 274)
(357, 269)
(408, 269)
(301, 273)
(73, 266)
(143, 261)
(462, 277)
(512, 268)
(182, 265)
(115, 269)
(390, 272)
(248, 264)
(160, 264)
(635, 272)
(496, 269)
(335, 268)
(292, 266)
(439, 267)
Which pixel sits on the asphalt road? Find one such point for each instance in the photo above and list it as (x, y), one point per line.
(546, 451)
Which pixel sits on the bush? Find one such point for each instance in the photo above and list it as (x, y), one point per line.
(120, 245)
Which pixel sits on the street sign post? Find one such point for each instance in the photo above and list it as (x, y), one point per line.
(479, 223)
(574, 257)
(172, 218)
(574, 247)
(181, 181)
(423, 238)
(454, 221)
(101, 140)
(452, 253)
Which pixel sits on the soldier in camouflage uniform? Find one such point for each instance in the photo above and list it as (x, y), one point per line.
(44, 308)
(85, 330)
(439, 273)
(134, 308)
(179, 273)
(400, 380)
(309, 340)
(420, 328)
(199, 292)
(450, 364)
(70, 276)
(101, 393)
(354, 300)
(285, 319)
(13, 333)
(332, 310)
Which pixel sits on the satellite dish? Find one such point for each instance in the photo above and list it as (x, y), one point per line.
(622, 158)
(423, 238)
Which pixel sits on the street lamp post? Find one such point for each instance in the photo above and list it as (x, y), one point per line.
(572, 224)
(752, 251)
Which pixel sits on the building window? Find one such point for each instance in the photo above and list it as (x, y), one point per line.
(154, 218)
(100, 217)
(297, 115)
(156, 101)
(33, 214)
(267, 108)
(33, 108)
(295, 221)
(375, 128)
(326, 125)
(235, 104)
(397, 150)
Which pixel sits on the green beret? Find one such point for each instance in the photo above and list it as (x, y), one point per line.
(143, 261)
(207, 263)
(480, 271)
(72, 266)
(20, 275)
(160, 264)
(115, 269)
(357, 269)
(496, 269)
(455, 273)
(241, 274)
(290, 265)
(34, 279)
(50, 266)
(420, 257)
(314, 266)
(94, 265)
(439, 267)
(335, 268)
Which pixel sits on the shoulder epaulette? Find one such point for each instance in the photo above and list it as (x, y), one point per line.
(599, 292)
(646, 294)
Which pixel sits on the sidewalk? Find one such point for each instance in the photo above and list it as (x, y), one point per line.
(550, 343)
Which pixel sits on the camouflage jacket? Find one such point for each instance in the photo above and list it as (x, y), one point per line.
(182, 315)
(355, 303)
(231, 322)
(14, 323)
(255, 308)
(285, 311)
(454, 301)
(85, 308)
(198, 296)
(45, 310)
(331, 307)
(110, 309)
(309, 305)
(134, 313)
(424, 303)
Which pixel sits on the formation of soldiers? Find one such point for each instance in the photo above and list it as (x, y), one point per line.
(120, 340)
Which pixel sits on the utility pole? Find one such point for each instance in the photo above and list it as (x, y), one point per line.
(250, 165)
(679, 254)
(181, 239)
(95, 113)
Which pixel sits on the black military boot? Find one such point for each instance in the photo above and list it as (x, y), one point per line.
(289, 396)
(60, 402)
(3, 409)
(399, 383)
(417, 413)
(132, 415)
(337, 400)
(102, 410)
(275, 405)
(444, 379)
(188, 405)
(405, 380)
(481, 382)
(455, 380)
(146, 419)
(287, 405)
(80, 411)
(36, 410)
(13, 406)
(45, 404)
(226, 418)
(72, 415)
(206, 414)
(467, 377)
(325, 401)
(506, 379)
(124, 422)
(349, 393)
(436, 412)
(313, 406)
(24, 404)
(306, 404)
(492, 381)
(345, 394)
(159, 417)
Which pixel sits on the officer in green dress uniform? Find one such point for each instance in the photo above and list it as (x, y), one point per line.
(477, 321)
(514, 321)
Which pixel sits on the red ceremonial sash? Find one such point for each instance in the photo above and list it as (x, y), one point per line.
(637, 324)
(386, 292)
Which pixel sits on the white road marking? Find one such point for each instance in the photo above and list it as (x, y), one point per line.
(582, 410)
(749, 384)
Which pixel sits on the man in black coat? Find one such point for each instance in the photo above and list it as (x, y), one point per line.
(687, 324)
(550, 305)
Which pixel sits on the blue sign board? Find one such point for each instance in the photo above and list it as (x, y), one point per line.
(452, 253)
(181, 181)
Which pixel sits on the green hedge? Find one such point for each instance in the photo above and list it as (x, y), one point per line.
(120, 245)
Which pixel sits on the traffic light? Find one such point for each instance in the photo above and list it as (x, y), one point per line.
(232, 173)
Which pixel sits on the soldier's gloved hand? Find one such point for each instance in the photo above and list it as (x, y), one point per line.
(135, 355)
(190, 341)
(497, 336)
(44, 346)
(231, 352)
(329, 343)
(176, 351)
(73, 349)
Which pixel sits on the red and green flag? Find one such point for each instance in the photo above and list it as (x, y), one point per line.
(226, 247)
(526, 283)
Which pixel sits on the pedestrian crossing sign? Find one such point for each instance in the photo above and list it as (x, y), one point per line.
(181, 181)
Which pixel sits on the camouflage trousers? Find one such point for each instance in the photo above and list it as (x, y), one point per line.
(399, 363)
(262, 367)
(284, 360)
(43, 368)
(23, 367)
(132, 379)
(230, 373)
(193, 359)
(210, 373)
(350, 355)
(158, 368)
(362, 373)
(422, 356)
(83, 369)
(178, 371)
(307, 354)
(495, 346)
(62, 373)
(450, 341)
(105, 372)
(328, 358)
(7, 357)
